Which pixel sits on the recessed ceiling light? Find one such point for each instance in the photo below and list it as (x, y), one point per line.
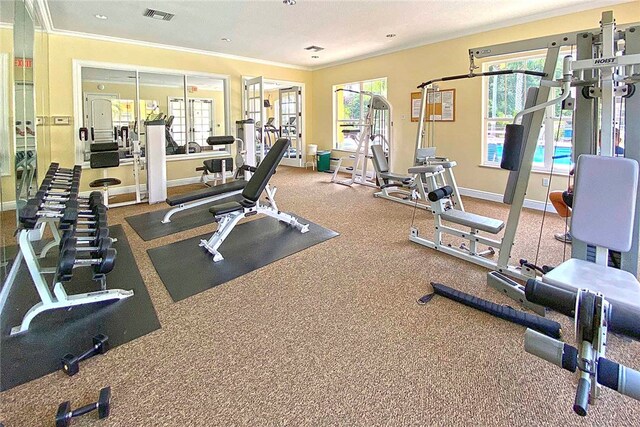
(225, 39)
(315, 56)
(101, 16)
(289, 2)
(391, 35)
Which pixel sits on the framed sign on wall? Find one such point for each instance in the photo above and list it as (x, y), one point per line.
(440, 106)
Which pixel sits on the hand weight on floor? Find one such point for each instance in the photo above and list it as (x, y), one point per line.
(64, 414)
(71, 363)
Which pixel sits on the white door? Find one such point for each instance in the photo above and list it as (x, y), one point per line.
(291, 124)
(254, 109)
(99, 116)
(201, 120)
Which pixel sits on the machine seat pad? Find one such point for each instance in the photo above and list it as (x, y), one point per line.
(479, 222)
(618, 286)
(104, 182)
(447, 164)
(216, 190)
(405, 179)
(426, 169)
(228, 207)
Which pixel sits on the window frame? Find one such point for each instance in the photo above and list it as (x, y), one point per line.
(77, 66)
(337, 121)
(547, 134)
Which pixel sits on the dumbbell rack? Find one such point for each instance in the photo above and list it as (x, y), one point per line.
(58, 298)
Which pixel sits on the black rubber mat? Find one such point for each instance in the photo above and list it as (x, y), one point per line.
(149, 227)
(53, 334)
(250, 245)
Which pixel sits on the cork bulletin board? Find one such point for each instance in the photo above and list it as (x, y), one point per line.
(441, 106)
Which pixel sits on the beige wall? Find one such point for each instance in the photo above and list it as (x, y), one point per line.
(64, 49)
(460, 140)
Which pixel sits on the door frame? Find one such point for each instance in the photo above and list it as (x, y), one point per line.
(88, 107)
(303, 112)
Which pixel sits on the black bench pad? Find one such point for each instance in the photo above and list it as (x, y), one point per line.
(225, 208)
(216, 190)
(228, 207)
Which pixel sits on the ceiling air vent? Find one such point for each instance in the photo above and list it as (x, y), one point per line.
(314, 48)
(159, 15)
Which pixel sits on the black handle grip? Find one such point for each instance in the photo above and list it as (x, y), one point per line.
(581, 404)
(560, 300)
(608, 373)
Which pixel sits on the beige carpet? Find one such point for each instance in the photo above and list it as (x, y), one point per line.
(332, 336)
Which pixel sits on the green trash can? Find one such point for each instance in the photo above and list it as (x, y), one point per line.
(324, 160)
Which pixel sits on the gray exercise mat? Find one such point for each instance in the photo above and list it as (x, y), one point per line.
(149, 227)
(37, 352)
(250, 245)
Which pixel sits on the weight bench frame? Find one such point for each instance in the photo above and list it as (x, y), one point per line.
(48, 301)
(227, 222)
(195, 203)
(250, 204)
(215, 198)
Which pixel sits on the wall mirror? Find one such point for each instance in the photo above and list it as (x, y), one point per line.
(193, 107)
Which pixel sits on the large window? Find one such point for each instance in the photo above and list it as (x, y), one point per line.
(506, 96)
(350, 110)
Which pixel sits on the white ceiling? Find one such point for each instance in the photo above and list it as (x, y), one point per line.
(269, 30)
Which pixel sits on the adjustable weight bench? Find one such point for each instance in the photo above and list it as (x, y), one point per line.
(229, 214)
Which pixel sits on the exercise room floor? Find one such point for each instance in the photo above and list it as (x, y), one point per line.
(332, 335)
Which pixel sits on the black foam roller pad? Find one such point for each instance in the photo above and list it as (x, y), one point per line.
(103, 146)
(220, 140)
(560, 300)
(625, 320)
(532, 321)
(440, 193)
(513, 142)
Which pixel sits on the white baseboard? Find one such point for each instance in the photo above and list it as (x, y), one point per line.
(469, 192)
(122, 189)
(494, 197)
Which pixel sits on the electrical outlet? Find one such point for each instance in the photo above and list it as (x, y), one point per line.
(545, 182)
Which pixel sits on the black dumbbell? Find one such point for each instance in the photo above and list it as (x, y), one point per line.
(33, 210)
(59, 181)
(102, 264)
(63, 175)
(83, 203)
(103, 405)
(96, 218)
(85, 235)
(71, 363)
(97, 247)
(60, 202)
